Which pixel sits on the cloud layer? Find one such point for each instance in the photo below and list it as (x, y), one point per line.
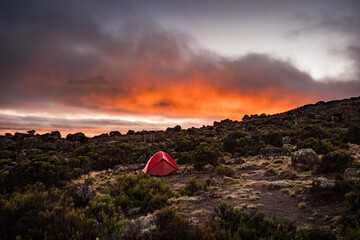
(56, 58)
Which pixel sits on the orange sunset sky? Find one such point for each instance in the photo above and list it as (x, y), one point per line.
(98, 66)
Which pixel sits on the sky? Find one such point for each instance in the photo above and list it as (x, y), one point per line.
(98, 66)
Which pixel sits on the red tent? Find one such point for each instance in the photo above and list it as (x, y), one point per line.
(161, 164)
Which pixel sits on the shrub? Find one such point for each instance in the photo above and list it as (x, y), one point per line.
(185, 157)
(45, 169)
(231, 141)
(192, 186)
(109, 216)
(313, 131)
(224, 170)
(273, 138)
(353, 134)
(353, 198)
(231, 223)
(171, 225)
(204, 154)
(77, 137)
(142, 191)
(335, 161)
(323, 146)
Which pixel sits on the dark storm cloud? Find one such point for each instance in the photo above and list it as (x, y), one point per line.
(71, 54)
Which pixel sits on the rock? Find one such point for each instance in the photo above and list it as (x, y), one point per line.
(193, 220)
(352, 173)
(138, 228)
(322, 183)
(134, 211)
(119, 168)
(208, 168)
(47, 146)
(270, 151)
(305, 159)
(280, 184)
(86, 192)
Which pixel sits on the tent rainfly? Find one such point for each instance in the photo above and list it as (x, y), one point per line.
(161, 164)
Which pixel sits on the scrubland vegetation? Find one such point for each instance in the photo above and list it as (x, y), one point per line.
(47, 190)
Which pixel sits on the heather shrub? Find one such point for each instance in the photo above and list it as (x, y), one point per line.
(192, 186)
(224, 170)
(142, 191)
(205, 153)
(335, 161)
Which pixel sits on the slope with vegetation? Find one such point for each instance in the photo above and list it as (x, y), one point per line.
(293, 175)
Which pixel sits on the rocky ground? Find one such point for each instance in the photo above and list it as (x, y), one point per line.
(265, 183)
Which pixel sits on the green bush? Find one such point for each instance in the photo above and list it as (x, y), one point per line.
(353, 198)
(171, 225)
(335, 161)
(77, 137)
(204, 154)
(323, 146)
(186, 157)
(46, 169)
(353, 134)
(192, 186)
(224, 170)
(231, 223)
(109, 216)
(273, 138)
(142, 191)
(231, 141)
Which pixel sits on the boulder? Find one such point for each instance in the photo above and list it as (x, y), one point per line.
(119, 168)
(322, 183)
(208, 168)
(305, 159)
(280, 184)
(140, 227)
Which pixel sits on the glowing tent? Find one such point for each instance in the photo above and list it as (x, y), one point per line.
(161, 164)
